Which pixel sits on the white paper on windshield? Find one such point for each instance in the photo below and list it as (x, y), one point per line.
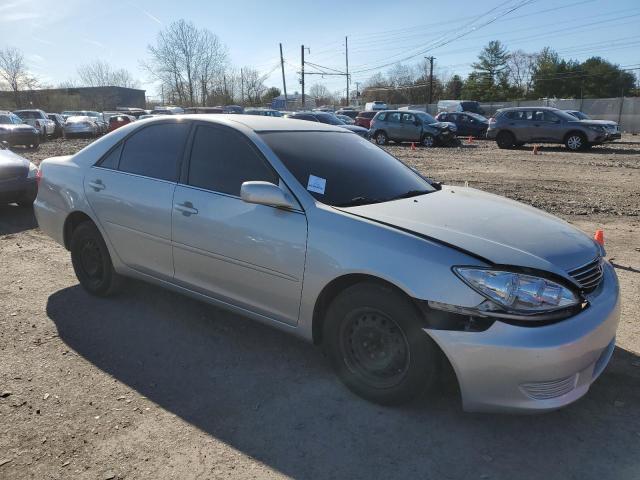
(316, 184)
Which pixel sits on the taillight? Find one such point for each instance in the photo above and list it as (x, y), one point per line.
(38, 176)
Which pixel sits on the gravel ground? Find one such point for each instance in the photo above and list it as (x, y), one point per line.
(154, 385)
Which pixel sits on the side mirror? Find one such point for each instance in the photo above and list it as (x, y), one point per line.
(264, 193)
(416, 122)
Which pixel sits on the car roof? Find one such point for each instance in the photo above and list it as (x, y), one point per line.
(257, 123)
(526, 108)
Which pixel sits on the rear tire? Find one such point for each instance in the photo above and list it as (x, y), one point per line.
(92, 262)
(374, 340)
(505, 140)
(381, 138)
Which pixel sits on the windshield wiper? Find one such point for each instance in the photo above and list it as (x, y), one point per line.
(359, 201)
(409, 194)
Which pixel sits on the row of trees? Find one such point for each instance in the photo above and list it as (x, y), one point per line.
(191, 65)
(501, 75)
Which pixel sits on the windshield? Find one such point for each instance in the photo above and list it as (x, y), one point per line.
(565, 116)
(343, 169)
(477, 116)
(580, 115)
(425, 117)
(329, 119)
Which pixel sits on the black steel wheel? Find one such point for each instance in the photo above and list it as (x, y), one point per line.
(374, 347)
(373, 337)
(92, 262)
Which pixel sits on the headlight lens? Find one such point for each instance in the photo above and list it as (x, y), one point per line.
(518, 292)
(33, 170)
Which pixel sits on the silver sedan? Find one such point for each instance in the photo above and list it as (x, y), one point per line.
(80, 125)
(318, 232)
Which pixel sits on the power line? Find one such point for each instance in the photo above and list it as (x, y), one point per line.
(456, 37)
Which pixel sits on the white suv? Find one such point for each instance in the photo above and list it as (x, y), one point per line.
(39, 120)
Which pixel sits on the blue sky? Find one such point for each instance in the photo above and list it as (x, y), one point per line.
(57, 37)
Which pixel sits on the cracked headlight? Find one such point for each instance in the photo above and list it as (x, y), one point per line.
(518, 292)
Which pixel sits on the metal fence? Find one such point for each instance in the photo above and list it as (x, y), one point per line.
(624, 110)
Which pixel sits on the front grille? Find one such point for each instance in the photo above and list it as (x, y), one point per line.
(588, 276)
(550, 389)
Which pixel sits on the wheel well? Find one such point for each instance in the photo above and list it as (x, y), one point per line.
(73, 220)
(331, 290)
(573, 132)
(380, 130)
(502, 132)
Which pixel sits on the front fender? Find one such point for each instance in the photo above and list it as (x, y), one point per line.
(341, 244)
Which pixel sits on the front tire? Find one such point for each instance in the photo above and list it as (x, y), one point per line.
(428, 140)
(92, 262)
(576, 142)
(505, 140)
(374, 339)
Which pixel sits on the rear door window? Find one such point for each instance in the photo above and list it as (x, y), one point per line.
(408, 118)
(222, 160)
(155, 151)
(393, 117)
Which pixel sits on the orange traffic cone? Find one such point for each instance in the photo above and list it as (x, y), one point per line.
(413, 146)
(536, 149)
(470, 139)
(599, 237)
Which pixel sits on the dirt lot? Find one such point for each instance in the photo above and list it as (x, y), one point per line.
(154, 385)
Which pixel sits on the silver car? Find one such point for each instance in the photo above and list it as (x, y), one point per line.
(513, 127)
(322, 234)
(80, 125)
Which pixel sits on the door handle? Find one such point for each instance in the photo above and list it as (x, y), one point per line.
(97, 185)
(186, 208)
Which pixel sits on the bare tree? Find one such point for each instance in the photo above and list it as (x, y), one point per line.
(13, 70)
(521, 66)
(101, 74)
(321, 94)
(254, 87)
(189, 62)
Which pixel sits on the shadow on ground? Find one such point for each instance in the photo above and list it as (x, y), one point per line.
(273, 398)
(15, 219)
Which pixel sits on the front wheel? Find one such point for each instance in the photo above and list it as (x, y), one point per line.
(374, 340)
(92, 262)
(428, 140)
(575, 142)
(505, 140)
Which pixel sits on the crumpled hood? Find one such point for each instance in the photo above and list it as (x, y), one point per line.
(495, 228)
(596, 122)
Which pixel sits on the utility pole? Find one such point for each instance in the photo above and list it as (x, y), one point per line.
(302, 71)
(431, 59)
(346, 57)
(284, 83)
